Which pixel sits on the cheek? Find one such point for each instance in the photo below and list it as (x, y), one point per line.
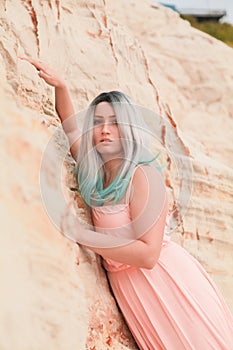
(95, 135)
(117, 132)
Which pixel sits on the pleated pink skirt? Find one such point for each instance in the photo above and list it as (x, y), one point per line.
(174, 306)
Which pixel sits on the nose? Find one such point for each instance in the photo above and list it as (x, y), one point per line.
(105, 128)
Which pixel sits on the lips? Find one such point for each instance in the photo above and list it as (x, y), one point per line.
(105, 140)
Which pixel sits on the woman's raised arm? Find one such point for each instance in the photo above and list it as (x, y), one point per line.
(63, 103)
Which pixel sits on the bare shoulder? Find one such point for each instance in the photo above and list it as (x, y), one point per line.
(146, 180)
(147, 191)
(144, 174)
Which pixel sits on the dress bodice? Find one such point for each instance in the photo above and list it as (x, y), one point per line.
(117, 217)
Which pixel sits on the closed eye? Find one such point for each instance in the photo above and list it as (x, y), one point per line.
(101, 122)
(113, 122)
(97, 122)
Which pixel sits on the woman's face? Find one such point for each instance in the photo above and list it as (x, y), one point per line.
(106, 135)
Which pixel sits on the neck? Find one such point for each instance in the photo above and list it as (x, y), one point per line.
(111, 169)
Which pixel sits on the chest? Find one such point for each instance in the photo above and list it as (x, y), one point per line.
(111, 216)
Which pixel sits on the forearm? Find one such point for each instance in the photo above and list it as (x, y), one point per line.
(63, 104)
(137, 253)
(131, 252)
(66, 113)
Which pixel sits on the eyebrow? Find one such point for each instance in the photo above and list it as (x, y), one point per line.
(101, 116)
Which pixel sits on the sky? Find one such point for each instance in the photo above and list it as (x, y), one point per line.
(206, 4)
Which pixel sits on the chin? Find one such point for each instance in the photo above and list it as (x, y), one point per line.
(107, 155)
(109, 149)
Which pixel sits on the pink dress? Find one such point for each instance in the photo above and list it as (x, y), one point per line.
(175, 305)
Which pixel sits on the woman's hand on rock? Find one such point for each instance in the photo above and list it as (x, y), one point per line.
(46, 73)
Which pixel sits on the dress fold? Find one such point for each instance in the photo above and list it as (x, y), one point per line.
(175, 305)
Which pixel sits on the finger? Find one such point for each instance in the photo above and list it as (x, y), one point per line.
(43, 75)
(37, 64)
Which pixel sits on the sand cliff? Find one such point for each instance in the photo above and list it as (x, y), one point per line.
(54, 294)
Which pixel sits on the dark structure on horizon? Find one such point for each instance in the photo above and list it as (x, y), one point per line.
(201, 14)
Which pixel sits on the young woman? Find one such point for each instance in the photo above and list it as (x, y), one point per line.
(168, 300)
